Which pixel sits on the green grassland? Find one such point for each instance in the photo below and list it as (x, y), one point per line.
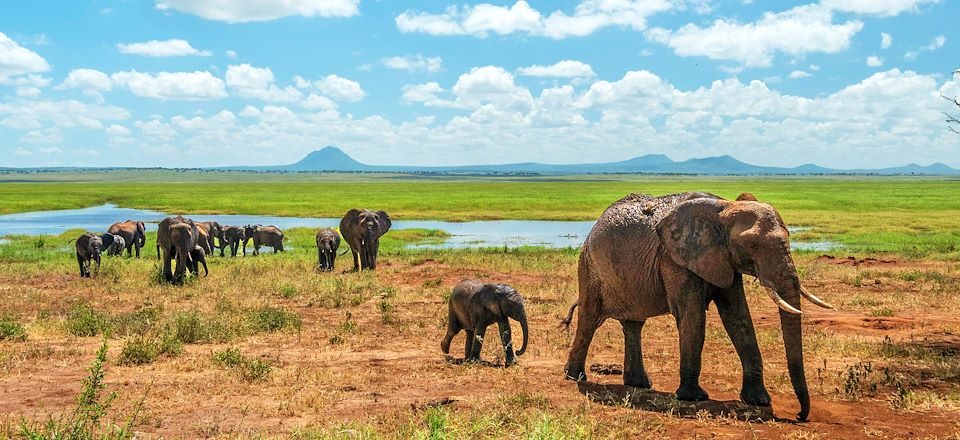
(914, 217)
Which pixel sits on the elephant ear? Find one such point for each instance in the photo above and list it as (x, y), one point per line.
(107, 240)
(489, 291)
(352, 217)
(385, 222)
(695, 238)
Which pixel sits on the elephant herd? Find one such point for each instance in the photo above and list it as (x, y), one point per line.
(646, 256)
(187, 243)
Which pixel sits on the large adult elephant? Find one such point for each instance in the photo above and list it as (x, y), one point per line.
(263, 236)
(362, 229)
(649, 256)
(214, 231)
(178, 237)
(133, 233)
(231, 237)
(203, 238)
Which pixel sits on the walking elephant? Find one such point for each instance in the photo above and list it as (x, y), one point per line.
(214, 233)
(649, 256)
(133, 233)
(232, 236)
(116, 249)
(328, 241)
(263, 236)
(89, 248)
(203, 238)
(474, 306)
(362, 230)
(177, 236)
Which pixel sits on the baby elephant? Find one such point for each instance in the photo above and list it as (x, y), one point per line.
(328, 241)
(116, 249)
(474, 305)
(89, 247)
(197, 257)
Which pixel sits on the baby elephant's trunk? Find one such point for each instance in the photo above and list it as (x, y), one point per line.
(522, 319)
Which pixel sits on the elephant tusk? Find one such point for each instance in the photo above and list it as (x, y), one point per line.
(814, 299)
(781, 303)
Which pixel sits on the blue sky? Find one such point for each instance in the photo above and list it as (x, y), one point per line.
(841, 83)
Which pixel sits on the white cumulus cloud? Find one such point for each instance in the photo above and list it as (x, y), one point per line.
(244, 11)
(884, 8)
(874, 61)
(796, 32)
(413, 63)
(18, 60)
(335, 87)
(886, 40)
(165, 48)
(484, 19)
(190, 86)
(258, 82)
(562, 69)
(797, 74)
(86, 79)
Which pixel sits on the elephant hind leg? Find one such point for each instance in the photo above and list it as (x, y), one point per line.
(453, 328)
(589, 319)
(634, 373)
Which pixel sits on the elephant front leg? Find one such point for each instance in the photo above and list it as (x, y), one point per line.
(356, 260)
(735, 315)
(507, 339)
(468, 346)
(634, 373)
(691, 323)
(477, 348)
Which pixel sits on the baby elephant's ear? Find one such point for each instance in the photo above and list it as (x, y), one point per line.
(107, 240)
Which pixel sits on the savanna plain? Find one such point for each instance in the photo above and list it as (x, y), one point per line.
(267, 346)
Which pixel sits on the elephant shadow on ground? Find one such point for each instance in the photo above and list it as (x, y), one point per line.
(461, 361)
(659, 401)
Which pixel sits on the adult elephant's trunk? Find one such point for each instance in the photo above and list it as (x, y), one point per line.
(784, 287)
(368, 249)
(522, 319)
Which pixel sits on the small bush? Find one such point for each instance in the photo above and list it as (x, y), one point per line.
(272, 319)
(138, 322)
(249, 370)
(230, 357)
(144, 350)
(82, 320)
(12, 330)
(882, 312)
(288, 291)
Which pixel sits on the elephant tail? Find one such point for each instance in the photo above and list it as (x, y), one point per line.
(344, 251)
(566, 322)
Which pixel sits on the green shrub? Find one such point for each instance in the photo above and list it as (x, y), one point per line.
(272, 319)
(288, 291)
(247, 369)
(12, 330)
(142, 350)
(82, 320)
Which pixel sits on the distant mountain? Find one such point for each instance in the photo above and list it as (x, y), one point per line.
(334, 159)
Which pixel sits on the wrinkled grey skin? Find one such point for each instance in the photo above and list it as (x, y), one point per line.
(89, 248)
(133, 233)
(649, 256)
(263, 236)
(232, 236)
(177, 237)
(214, 234)
(475, 305)
(362, 229)
(328, 241)
(198, 257)
(116, 249)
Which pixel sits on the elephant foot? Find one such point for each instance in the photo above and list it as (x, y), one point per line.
(471, 360)
(638, 381)
(511, 361)
(755, 395)
(692, 393)
(575, 374)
